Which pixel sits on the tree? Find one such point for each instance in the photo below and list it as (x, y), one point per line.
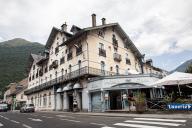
(189, 69)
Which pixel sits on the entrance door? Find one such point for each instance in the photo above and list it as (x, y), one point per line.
(70, 96)
(115, 100)
(96, 101)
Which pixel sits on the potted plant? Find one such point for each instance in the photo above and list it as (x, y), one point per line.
(140, 102)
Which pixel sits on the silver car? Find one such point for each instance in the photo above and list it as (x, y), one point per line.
(28, 108)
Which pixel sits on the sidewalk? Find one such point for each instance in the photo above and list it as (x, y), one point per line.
(124, 114)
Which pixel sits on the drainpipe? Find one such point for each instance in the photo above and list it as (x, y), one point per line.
(87, 52)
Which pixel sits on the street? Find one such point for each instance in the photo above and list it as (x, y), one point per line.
(70, 120)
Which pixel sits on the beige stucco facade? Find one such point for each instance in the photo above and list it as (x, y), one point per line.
(92, 53)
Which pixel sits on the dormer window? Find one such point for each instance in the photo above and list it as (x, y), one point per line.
(78, 48)
(101, 33)
(115, 41)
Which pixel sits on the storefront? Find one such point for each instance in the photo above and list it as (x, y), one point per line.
(118, 92)
(69, 97)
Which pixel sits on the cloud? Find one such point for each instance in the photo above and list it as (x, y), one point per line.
(156, 28)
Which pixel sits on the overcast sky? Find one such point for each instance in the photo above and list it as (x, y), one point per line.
(157, 27)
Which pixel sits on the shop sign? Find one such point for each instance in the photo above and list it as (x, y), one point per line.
(178, 106)
(106, 96)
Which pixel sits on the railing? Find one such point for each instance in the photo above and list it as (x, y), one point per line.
(102, 52)
(117, 57)
(70, 76)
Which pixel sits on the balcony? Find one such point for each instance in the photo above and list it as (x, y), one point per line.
(70, 76)
(102, 52)
(55, 64)
(115, 43)
(69, 56)
(117, 57)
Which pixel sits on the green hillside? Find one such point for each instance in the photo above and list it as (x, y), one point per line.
(14, 55)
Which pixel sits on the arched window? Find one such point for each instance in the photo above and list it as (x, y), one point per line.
(49, 98)
(44, 100)
(40, 100)
(103, 67)
(62, 72)
(32, 100)
(117, 69)
(56, 75)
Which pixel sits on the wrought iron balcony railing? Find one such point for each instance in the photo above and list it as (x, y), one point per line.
(102, 52)
(117, 57)
(70, 76)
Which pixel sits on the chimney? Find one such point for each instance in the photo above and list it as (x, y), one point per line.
(93, 20)
(103, 21)
(64, 27)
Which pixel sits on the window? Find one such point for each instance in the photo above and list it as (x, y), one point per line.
(117, 69)
(49, 98)
(111, 68)
(56, 74)
(69, 68)
(56, 50)
(33, 67)
(44, 100)
(102, 51)
(79, 64)
(101, 45)
(50, 77)
(62, 72)
(46, 79)
(69, 55)
(31, 100)
(78, 49)
(21, 96)
(45, 69)
(102, 67)
(101, 33)
(62, 60)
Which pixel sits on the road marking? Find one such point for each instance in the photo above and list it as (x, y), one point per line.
(98, 124)
(65, 116)
(71, 120)
(156, 119)
(136, 125)
(38, 120)
(149, 122)
(107, 127)
(15, 121)
(27, 126)
(1, 124)
(47, 117)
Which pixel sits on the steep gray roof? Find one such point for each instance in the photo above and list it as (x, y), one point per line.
(124, 36)
(52, 35)
(37, 58)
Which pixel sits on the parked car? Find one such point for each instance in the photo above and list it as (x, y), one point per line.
(28, 108)
(3, 107)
